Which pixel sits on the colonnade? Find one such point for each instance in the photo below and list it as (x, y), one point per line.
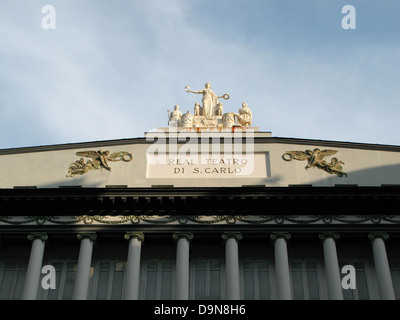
(231, 240)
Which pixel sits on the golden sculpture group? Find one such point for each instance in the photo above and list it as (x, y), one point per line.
(315, 159)
(99, 160)
(210, 114)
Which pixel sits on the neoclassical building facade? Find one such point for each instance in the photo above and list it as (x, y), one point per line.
(185, 214)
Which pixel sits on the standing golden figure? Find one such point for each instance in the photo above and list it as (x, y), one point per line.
(210, 99)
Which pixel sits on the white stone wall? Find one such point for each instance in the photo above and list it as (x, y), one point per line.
(48, 169)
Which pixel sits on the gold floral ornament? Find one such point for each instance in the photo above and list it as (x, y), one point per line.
(315, 159)
(99, 160)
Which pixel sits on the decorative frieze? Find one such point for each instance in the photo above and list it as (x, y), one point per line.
(200, 219)
(315, 159)
(99, 160)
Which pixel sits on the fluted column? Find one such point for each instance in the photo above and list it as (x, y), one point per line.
(283, 288)
(182, 265)
(81, 285)
(132, 275)
(232, 264)
(382, 268)
(332, 265)
(33, 273)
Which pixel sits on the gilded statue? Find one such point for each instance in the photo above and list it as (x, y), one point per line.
(209, 101)
(315, 158)
(187, 120)
(245, 116)
(175, 116)
(219, 111)
(228, 119)
(210, 114)
(198, 110)
(335, 167)
(99, 159)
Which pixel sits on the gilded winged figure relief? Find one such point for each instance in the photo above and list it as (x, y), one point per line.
(315, 158)
(99, 159)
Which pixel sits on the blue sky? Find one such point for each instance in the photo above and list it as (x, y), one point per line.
(111, 69)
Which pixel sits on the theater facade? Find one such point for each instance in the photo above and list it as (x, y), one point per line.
(208, 208)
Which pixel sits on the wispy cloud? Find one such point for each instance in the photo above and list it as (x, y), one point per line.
(112, 69)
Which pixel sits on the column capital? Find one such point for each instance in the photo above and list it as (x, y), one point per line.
(87, 235)
(234, 235)
(333, 235)
(137, 235)
(376, 235)
(38, 235)
(277, 235)
(188, 235)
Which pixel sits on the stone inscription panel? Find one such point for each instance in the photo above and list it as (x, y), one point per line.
(204, 165)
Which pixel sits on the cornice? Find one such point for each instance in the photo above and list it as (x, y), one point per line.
(301, 200)
(257, 140)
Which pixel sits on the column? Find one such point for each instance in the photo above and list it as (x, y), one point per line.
(382, 268)
(283, 287)
(182, 265)
(232, 264)
(132, 276)
(33, 273)
(82, 278)
(333, 279)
